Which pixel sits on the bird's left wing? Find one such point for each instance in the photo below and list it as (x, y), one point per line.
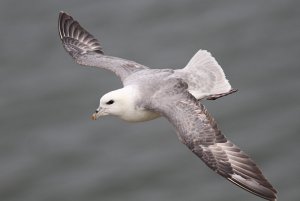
(86, 49)
(199, 132)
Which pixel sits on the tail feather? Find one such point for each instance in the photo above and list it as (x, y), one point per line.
(204, 76)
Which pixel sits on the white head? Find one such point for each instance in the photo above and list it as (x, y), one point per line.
(122, 103)
(113, 103)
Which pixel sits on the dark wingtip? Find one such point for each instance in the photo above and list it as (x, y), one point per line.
(62, 15)
(75, 38)
(266, 192)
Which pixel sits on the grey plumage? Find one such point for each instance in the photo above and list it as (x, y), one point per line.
(86, 50)
(175, 95)
(200, 133)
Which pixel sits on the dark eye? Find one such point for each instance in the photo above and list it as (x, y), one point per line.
(110, 102)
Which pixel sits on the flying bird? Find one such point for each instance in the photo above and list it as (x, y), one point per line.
(174, 94)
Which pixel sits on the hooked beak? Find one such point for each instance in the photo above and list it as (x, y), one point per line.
(98, 113)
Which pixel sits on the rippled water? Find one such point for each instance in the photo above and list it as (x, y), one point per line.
(51, 151)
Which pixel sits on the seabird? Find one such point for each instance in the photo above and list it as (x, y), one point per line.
(174, 94)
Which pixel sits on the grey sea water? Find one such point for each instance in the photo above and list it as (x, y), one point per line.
(51, 151)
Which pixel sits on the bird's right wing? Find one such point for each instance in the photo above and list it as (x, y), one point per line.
(86, 49)
(199, 132)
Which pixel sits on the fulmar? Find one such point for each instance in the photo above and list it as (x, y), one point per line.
(174, 94)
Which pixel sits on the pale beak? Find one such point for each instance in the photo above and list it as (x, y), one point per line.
(98, 113)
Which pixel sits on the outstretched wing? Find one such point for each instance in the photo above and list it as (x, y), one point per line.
(205, 77)
(86, 49)
(199, 132)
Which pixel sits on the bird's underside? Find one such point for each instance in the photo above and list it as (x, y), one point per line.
(175, 94)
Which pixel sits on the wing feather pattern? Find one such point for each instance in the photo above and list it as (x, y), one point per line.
(199, 132)
(86, 49)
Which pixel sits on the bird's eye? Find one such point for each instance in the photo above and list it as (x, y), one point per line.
(110, 102)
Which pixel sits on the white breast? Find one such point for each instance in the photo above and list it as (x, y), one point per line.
(131, 112)
(139, 115)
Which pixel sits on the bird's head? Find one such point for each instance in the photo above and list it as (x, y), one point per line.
(112, 103)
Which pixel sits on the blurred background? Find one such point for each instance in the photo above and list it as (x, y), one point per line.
(49, 148)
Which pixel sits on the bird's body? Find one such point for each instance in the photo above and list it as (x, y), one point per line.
(174, 94)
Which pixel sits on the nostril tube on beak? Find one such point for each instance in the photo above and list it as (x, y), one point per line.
(94, 116)
(98, 113)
